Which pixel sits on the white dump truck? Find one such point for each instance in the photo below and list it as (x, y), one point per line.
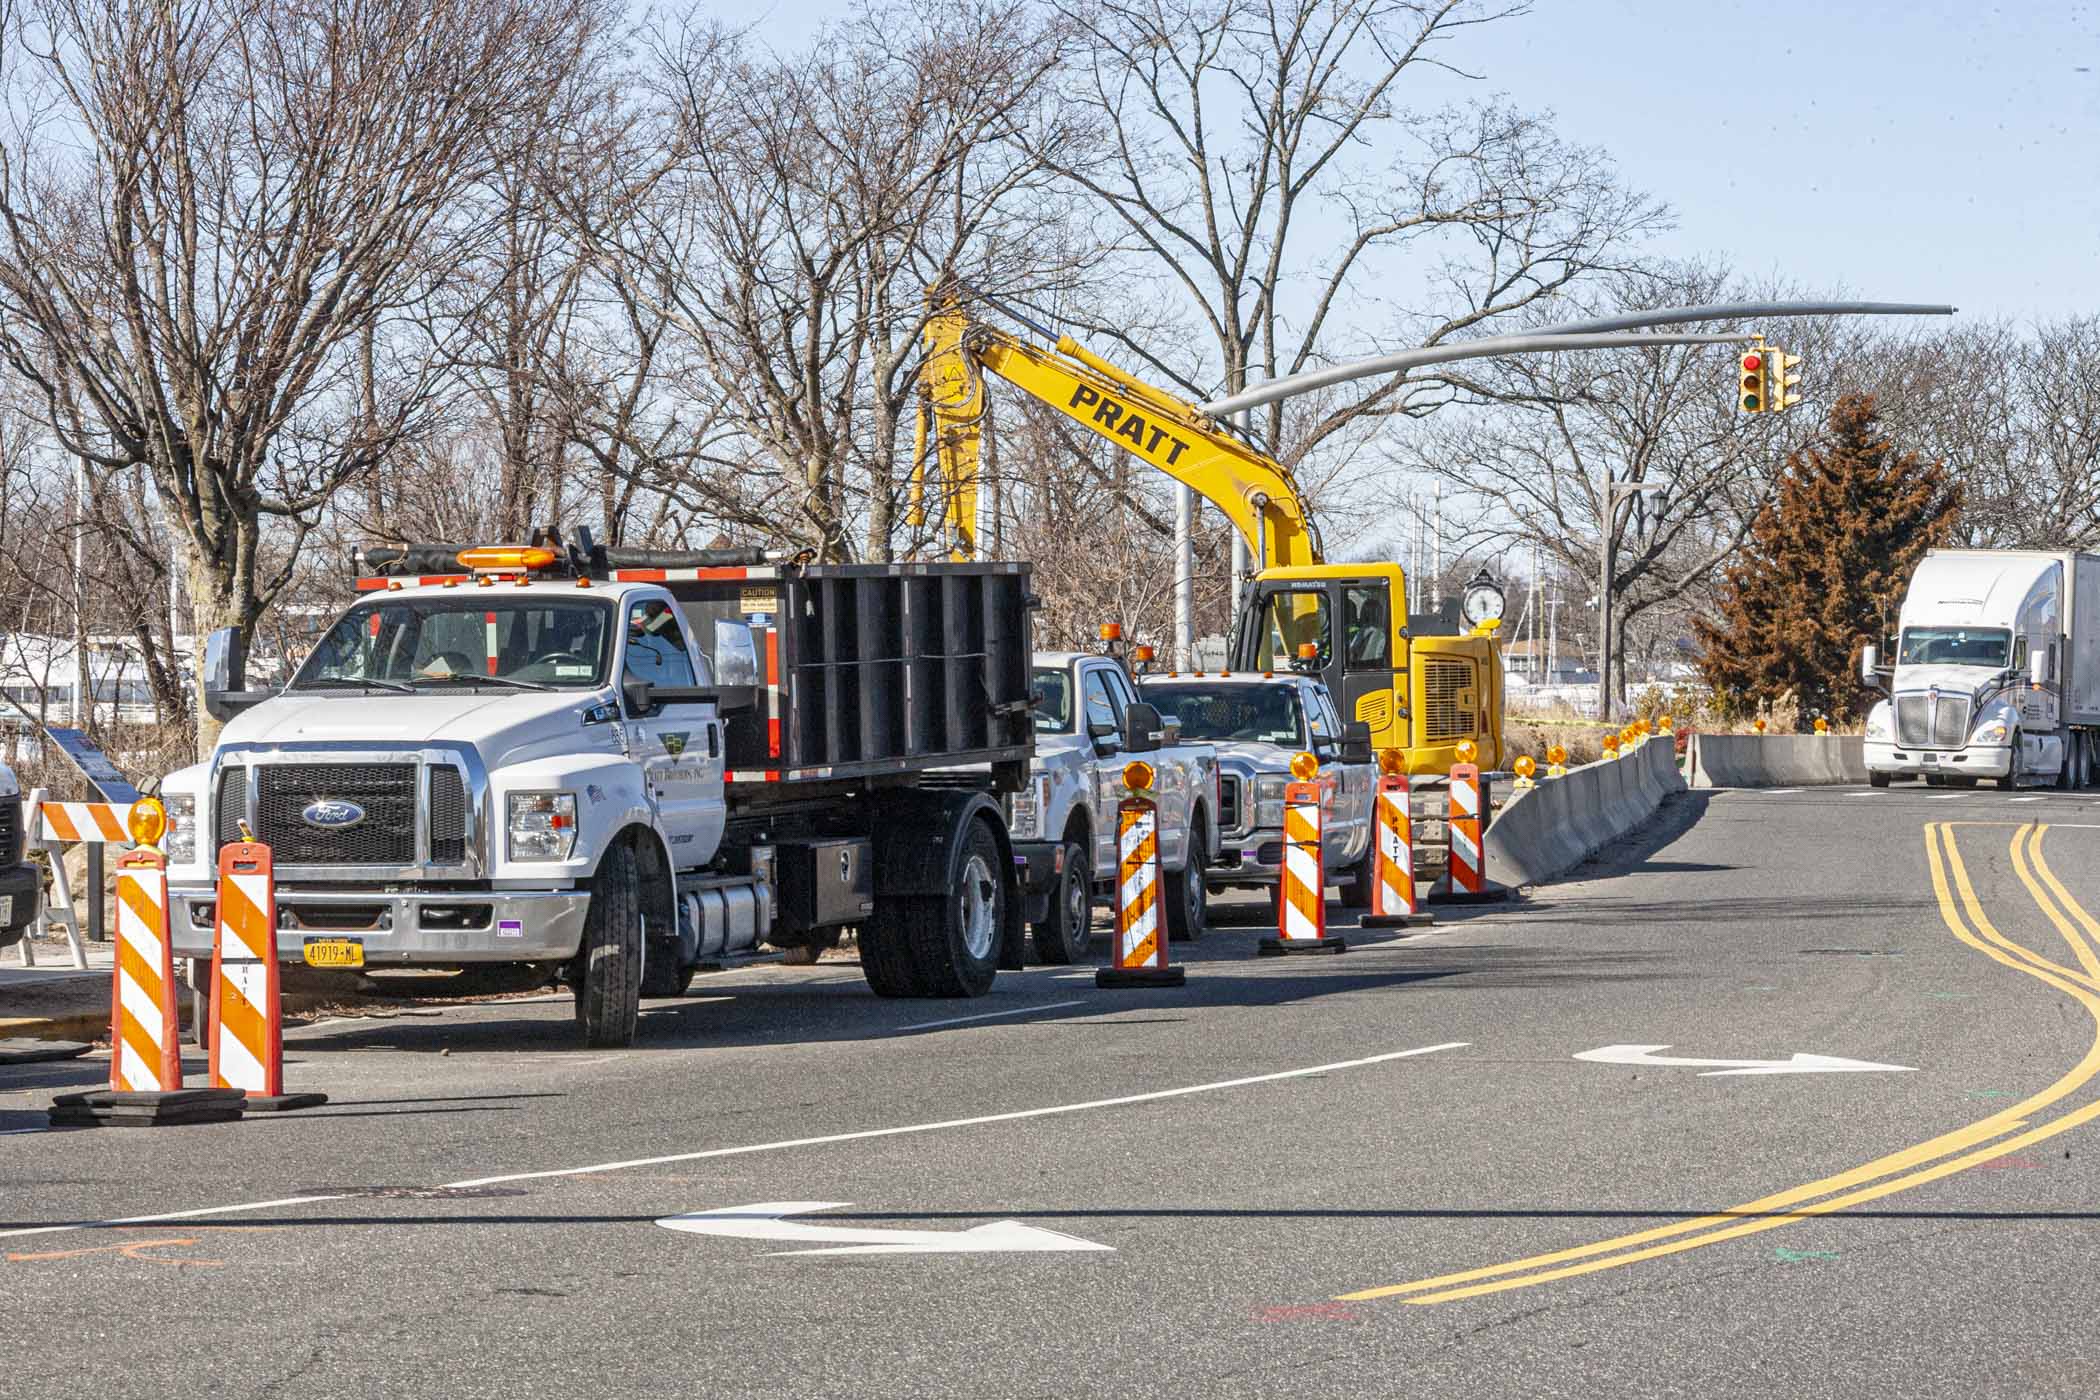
(1996, 672)
(606, 767)
(1089, 722)
(1258, 723)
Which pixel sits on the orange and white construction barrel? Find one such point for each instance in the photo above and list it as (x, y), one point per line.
(1301, 894)
(1139, 957)
(247, 1013)
(1465, 876)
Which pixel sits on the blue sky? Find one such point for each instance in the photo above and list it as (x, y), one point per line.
(1929, 151)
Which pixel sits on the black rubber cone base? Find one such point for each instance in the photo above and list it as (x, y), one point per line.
(1496, 896)
(1421, 920)
(1273, 947)
(282, 1103)
(147, 1108)
(29, 1052)
(1140, 976)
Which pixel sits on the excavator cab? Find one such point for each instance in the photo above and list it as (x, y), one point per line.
(1353, 618)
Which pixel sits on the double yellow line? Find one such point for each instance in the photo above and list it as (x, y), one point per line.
(1930, 1161)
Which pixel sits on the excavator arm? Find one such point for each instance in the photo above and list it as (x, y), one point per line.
(1256, 494)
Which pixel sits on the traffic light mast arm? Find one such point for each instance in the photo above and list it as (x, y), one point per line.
(1254, 491)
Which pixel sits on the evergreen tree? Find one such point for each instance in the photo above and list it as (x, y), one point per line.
(1825, 567)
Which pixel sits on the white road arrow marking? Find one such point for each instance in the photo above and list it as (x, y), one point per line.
(1797, 1064)
(766, 1221)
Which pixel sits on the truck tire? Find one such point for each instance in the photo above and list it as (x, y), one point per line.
(1064, 936)
(2011, 779)
(1357, 893)
(885, 948)
(608, 978)
(943, 945)
(1188, 900)
(1877, 780)
(661, 974)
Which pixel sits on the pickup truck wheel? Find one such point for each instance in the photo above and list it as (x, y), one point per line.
(1064, 936)
(609, 980)
(1357, 893)
(1188, 901)
(1877, 780)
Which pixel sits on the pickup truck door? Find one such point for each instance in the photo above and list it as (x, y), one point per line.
(1171, 784)
(1345, 817)
(1098, 707)
(679, 747)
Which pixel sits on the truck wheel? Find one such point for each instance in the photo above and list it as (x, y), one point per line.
(955, 942)
(661, 974)
(1877, 780)
(885, 948)
(1188, 902)
(609, 979)
(2011, 779)
(1064, 936)
(1357, 893)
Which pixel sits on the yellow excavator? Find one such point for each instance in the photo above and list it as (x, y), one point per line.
(1421, 692)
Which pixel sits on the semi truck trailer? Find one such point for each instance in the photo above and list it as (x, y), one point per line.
(607, 767)
(1995, 674)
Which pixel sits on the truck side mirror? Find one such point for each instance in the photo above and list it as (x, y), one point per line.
(1870, 667)
(639, 696)
(226, 675)
(735, 654)
(1142, 729)
(1101, 729)
(1356, 742)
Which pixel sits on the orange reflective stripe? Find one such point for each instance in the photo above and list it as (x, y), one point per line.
(58, 822)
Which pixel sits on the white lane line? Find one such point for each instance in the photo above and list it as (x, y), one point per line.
(1780, 792)
(767, 1146)
(991, 1015)
(1870, 792)
(1944, 797)
(946, 1123)
(2023, 799)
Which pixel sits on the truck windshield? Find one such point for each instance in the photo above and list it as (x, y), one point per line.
(1259, 714)
(1053, 713)
(1955, 646)
(461, 640)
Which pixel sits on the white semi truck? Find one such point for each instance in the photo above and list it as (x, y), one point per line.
(607, 767)
(1996, 672)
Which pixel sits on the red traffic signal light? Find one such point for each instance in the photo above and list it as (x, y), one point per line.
(1753, 397)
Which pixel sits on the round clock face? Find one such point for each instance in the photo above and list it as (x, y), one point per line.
(1482, 601)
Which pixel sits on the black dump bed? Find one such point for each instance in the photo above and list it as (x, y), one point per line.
(869, 669)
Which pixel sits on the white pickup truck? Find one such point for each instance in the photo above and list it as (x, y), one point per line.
(607, 767)
(1258, 722)
(1088, 723)
(20, 885)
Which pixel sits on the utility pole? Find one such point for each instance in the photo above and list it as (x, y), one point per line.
(83, 702)
(1184, 578)
(1610, 518)
(1552, 635)
(1436, 548)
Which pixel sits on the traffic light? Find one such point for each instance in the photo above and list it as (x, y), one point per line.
(1751, 396)
(1783, 383)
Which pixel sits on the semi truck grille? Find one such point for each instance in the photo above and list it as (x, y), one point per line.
(386, 792)
(1228, 803)
(1932, 722)
(1950, 722)
(10, 830)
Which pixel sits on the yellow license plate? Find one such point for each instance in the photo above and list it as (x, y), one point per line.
(335, 952)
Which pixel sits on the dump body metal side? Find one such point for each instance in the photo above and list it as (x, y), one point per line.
(873, 670)
(2081, 678)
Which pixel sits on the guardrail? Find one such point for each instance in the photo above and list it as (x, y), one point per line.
(1776, 760)
(1554, 827)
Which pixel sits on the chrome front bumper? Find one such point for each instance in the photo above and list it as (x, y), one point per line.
(1975, 761)
(418, 929)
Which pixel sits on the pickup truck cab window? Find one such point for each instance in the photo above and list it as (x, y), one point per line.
(656, 645)
(463, 638)
(1053, 713)
(1260, 714)
(1101, 707)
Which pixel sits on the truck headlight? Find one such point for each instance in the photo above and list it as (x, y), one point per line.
(1268, 798)
(181, 840)
(1878, 725)
(1992, 733)
(542, 825)
(1028, 805)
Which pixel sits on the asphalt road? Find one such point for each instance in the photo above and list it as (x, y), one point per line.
(1385, 1173)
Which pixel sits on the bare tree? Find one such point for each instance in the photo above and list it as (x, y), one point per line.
(208, 208)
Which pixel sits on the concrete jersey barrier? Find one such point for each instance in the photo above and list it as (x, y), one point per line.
(1557, 825)
(1776, 760)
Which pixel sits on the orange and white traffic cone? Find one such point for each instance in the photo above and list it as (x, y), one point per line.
(1301, 895)
(1393, 903)
(247, 1014)
(145, 1058)
(1139, 958)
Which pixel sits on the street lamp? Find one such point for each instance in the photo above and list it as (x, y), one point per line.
(1609, 521)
